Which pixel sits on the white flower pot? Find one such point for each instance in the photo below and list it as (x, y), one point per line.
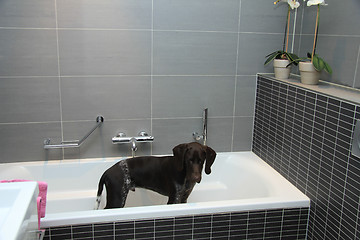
(308, 74)
(280, 69)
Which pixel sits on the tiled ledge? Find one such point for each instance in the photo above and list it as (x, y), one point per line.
(342, 92)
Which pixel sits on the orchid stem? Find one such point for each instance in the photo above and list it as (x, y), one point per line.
(316, 32)
(287, 31)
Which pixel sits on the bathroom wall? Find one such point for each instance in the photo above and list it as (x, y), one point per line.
(143, 65)
(338, 40)
(148, 65)
(306, 136)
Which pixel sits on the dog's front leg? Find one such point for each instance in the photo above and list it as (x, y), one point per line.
(186, 194)
(174, 198)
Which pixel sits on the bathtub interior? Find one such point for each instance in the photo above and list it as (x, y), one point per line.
(72, 185)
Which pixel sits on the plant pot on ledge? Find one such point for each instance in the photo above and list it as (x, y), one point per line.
(308, 74)
(281, 68)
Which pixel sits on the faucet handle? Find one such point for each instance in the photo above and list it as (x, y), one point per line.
(144, 137)
(121, 134)
(143, 134)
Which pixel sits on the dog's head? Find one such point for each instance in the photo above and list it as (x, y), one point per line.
(192, 157)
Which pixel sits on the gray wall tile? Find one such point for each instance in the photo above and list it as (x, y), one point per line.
(125, 14)
(245, 95)
(97, 52)
(203, 15)
(175, 96)
(243, 133)
(268, 18)
(253, 45)
(30, 13)
(338, 18)
(126, 97)
(220, 133)
(357, 75)
(194, 53)
(31, 139)
(28, 52)
(39, 103)
(177, 131)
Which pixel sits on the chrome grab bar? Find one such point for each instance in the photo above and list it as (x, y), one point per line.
(74, 143)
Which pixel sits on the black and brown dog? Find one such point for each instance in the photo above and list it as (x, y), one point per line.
(172, 176)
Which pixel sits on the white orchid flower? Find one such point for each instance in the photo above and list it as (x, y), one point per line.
(292, 3)
(315, 2)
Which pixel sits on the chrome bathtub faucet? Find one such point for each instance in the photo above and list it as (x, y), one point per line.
(142, 137)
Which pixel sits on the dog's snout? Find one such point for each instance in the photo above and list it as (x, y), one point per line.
(197, 177)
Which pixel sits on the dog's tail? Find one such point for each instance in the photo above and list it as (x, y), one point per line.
(99, 192)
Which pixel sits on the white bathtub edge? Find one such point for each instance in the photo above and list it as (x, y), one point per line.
(176, 210)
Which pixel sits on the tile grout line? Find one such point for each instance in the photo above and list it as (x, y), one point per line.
(59, 77)
(356, 67)
(151, 73)
(235, 80)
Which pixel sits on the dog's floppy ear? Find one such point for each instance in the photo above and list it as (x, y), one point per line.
(179, 154)
(210, 158)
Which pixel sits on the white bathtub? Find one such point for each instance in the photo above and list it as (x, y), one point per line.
(240, 181)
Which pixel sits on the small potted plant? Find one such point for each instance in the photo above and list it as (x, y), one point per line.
(282, 58)
(311, 66)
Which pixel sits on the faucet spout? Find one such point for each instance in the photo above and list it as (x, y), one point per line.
(133, 146)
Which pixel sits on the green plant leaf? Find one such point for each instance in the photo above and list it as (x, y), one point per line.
(318, 63)
(321, 63)
(292, 58)
(276, 52)
(280, 55)
(272, 56)
(327, 68)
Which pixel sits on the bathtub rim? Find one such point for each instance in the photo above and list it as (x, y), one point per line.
(170, 211)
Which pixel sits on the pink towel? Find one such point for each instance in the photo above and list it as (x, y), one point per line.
(38, 202)
(42, 194)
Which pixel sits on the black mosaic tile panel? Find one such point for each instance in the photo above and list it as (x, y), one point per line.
(104, 231)
(164, 228)
(306, 136)
(265, 224)
(202, 227)
(82, 231)
(183, 227)
(125, 230)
